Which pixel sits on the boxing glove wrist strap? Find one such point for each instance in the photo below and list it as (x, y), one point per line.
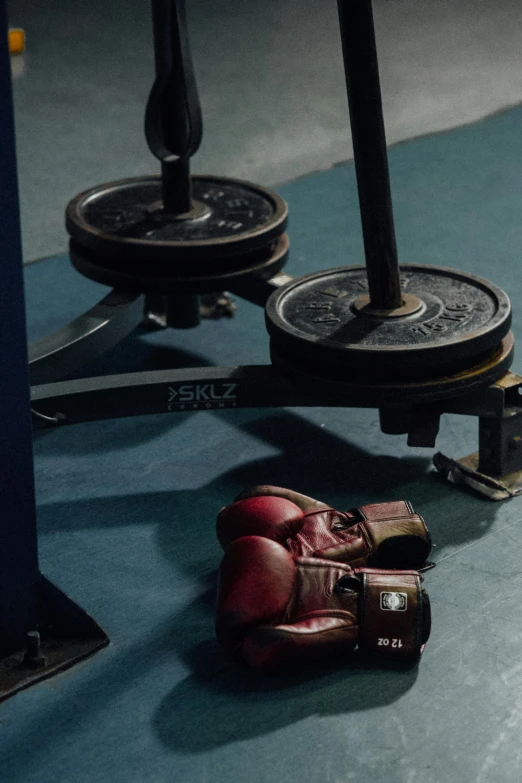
(394, 614)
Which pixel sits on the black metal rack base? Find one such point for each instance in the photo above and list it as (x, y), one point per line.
(411, 408)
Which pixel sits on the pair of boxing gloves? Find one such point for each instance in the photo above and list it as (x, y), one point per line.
(301, 582)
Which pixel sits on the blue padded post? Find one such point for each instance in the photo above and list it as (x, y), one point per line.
(19, 574)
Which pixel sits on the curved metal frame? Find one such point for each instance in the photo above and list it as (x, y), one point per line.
(88, 336)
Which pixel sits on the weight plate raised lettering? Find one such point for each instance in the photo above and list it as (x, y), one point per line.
(451, 319)
(126, 219)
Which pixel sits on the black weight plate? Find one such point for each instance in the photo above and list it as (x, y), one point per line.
(126, 218)
(460, 318)
(262, 264)
(376, 393)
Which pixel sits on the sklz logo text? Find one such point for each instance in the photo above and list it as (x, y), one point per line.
(202, 396)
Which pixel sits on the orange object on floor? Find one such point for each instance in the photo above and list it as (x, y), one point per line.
(16, 41)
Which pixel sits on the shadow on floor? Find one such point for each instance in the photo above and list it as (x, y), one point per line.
(221, 702)
(309, 459)
(218, 702)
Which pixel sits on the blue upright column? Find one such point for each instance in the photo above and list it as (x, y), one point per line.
(19, 573)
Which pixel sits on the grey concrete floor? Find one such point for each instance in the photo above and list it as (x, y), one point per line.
(271, 84)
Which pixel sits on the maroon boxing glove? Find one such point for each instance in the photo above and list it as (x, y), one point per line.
(381, 535)
(276, 612)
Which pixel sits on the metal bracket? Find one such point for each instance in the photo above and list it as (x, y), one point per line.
(64, 635)
(495, 470)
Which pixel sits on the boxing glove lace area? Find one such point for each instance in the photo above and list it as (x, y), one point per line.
(384, 535)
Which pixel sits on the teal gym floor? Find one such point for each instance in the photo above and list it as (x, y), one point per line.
(126, 512)
(271, 82)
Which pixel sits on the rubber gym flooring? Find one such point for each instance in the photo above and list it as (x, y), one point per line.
(126, 512)
(271, 82)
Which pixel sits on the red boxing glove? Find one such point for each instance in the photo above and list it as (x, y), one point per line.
(275, 612)
(381, 535)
